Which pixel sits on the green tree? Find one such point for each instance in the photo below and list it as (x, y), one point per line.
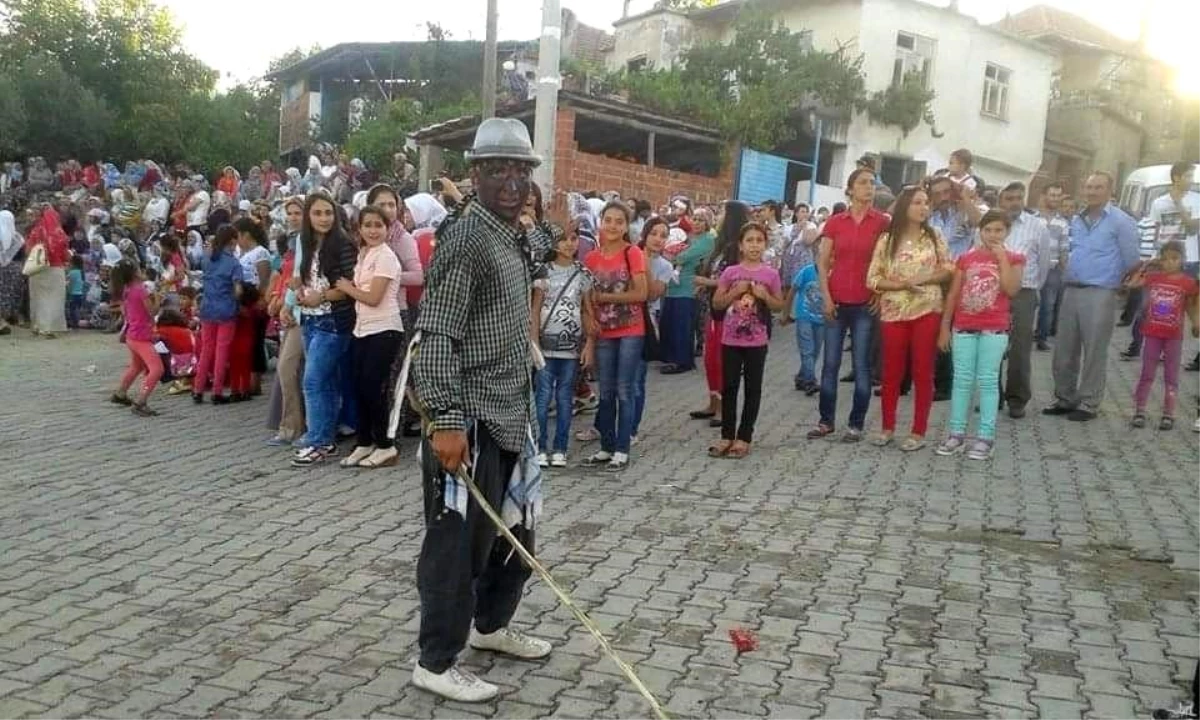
(905, 106)
(127, 53)
(12, 116)
(759, 88)
(385, 127)
(60, 112)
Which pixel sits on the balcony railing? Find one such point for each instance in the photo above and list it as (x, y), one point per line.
(1095, 98)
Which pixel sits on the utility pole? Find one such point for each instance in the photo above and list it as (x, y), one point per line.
(489, 62)
(545, 114)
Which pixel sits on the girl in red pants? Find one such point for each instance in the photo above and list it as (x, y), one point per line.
(910, 263)
(138, 306)
(725, 254)
(241, 352)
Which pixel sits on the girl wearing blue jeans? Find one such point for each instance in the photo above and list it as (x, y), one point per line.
(327, 321)
(619, 297)
(975, 324)
(561, 317)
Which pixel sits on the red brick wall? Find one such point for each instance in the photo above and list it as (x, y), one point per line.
(576, 171)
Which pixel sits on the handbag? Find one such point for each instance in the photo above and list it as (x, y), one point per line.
(650, 346)
(35, 261)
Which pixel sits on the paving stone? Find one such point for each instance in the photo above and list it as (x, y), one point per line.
(879, 585)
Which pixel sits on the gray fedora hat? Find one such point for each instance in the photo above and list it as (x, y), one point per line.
(503, 139)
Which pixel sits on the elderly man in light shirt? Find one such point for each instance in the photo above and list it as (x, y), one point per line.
(1030, 237)
(1104, 248)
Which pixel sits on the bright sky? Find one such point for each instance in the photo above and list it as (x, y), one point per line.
(241, 49)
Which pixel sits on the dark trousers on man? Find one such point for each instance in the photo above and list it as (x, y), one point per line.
(1017, 386)
(466, 573)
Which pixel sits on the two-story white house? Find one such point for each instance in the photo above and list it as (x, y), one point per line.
(992, 87)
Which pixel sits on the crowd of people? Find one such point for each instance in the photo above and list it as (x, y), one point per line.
(629, 284)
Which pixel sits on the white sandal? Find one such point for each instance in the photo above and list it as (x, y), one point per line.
(381, 457)
(362, 452)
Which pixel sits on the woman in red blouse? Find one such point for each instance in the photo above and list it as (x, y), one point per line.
(48, 285)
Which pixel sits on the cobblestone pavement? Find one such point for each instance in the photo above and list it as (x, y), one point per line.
(178, 567)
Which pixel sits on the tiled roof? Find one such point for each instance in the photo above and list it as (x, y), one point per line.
(586, 43)
(1043, 21)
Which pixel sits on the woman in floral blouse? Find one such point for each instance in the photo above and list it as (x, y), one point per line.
(910, 265)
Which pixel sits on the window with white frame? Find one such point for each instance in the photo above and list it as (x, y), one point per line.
(995, 91)
(914, 54)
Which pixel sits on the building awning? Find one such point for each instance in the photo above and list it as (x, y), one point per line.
(452, 133)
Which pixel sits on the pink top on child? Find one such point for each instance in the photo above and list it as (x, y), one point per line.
(139, 326)
(983, 306)
(747, 317)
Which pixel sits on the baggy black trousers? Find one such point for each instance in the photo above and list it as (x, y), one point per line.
(467, 572)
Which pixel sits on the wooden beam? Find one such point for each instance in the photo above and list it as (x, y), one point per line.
(646, 127)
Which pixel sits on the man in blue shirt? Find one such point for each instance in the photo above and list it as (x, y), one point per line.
(1103, 249)
(954, 218)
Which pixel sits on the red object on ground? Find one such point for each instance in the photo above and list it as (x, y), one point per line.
(743, 640)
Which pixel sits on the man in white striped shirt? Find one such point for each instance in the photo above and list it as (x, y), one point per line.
(1029, 236)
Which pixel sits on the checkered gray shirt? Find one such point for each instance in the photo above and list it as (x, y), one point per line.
(474, 355)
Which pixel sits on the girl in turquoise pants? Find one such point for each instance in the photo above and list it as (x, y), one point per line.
(975, 329)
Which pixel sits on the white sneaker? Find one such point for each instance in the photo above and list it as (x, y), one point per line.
(558, 460)
(619, 461)
(510, 642)
(454, 684)
(1196, 427)
(542, 460)
(634, 440)
(600, 457)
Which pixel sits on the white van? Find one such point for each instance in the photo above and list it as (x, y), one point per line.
(1142, 187)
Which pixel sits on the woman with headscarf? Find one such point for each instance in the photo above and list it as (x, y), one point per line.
(151, 179)
(286, 412)
(134, 172)
(313, 178)
(40, 176)
(293, 185)
(48, 286)
(112, 176)
(125, 210)
(252, 186)
(228, 182)
(12, 282)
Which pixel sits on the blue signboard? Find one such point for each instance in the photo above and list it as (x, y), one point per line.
(762, 177)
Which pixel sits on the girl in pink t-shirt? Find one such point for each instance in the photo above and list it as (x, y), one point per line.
(138, 307)
(378, 338)
(975, 323)
(748, 292)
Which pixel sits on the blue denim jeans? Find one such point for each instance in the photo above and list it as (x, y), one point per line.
(557, 381)
(1051, 294)
(639, 400)
(324, 355)
(856, 320)
(809, 339)
(618, 362)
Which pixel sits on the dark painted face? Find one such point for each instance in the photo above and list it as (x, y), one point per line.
(503, 186)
